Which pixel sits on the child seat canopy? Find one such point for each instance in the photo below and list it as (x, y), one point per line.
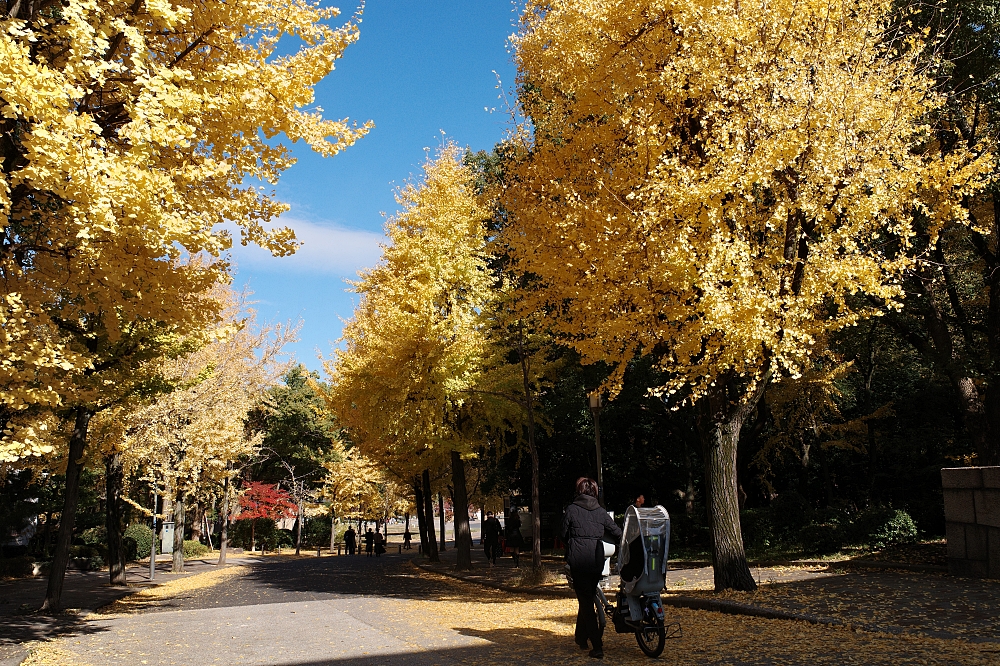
(642, 555)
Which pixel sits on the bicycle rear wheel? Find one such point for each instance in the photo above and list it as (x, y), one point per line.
(651, 640)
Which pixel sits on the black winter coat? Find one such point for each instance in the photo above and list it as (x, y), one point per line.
(585, 526)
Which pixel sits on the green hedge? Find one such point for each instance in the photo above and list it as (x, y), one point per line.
(790, 522)
(194, 548)
(881, 527)
(16, 567)
(143, 538)
(821, 538)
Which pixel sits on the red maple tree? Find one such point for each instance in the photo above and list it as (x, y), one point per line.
(263, 500)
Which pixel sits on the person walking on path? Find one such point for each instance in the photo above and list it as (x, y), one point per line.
(379, 544)
(491, 537)
(351, 541)
(369, 542)
(513, 535)
(585, 526)
(407, 537)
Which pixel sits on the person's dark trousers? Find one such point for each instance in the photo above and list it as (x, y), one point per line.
(587, 628)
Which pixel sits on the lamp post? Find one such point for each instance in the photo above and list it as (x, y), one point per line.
(595, 409)
(152, 546)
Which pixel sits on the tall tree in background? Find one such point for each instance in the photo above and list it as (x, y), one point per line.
(709, 184)
(953, 319)
(414, 346)
(188, 439)
(297, 428)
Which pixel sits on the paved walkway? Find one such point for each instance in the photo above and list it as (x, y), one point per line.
(83, 592)
(340, 611)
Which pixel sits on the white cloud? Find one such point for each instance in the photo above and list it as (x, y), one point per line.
(326, 249)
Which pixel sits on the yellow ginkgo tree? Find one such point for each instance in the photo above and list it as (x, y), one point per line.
(713, 184)
(187, 439)
(399, 385)
(130, 133)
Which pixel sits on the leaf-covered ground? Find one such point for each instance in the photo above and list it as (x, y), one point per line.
(544, 629)
(936, 604)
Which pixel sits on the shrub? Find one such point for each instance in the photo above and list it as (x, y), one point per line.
(142, 536)
(881, 527)
(86, 558)
(316, 533)
(16, 567)
(95, 536)
(790, 512)
(283, 539)
(690, 532)
(821, 538)
(129, 549)
(194, 548)
(266, 534)
(85, 552)
(758, 529)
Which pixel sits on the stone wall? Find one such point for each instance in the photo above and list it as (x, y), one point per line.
(972, 520)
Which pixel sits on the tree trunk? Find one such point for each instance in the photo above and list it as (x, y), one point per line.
(460, 502)
(536, 511)
(689, 487)
(298, 534)
(990, 452)
(441, 517)
(196, 521)
(719, 427)
(46, 533)
(153, 544)
(432, 547)
(333, 529)
(939, 348)
(74, 466)
(114, 478)
(224, 537)
(418, 493)
(178, 532)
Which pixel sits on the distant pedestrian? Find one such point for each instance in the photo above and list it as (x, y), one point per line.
(491, 537)
(513, 535)
(369, 542)
(379, 544)
(351, 541)
(407, 537)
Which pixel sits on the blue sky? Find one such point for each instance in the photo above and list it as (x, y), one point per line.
(419, 69)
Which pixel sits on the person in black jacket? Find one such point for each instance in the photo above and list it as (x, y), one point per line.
(491, 537)
(585, 526)
(512, 531)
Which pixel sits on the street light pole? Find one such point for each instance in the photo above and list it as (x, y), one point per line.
(152, 546)
(595, 409)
